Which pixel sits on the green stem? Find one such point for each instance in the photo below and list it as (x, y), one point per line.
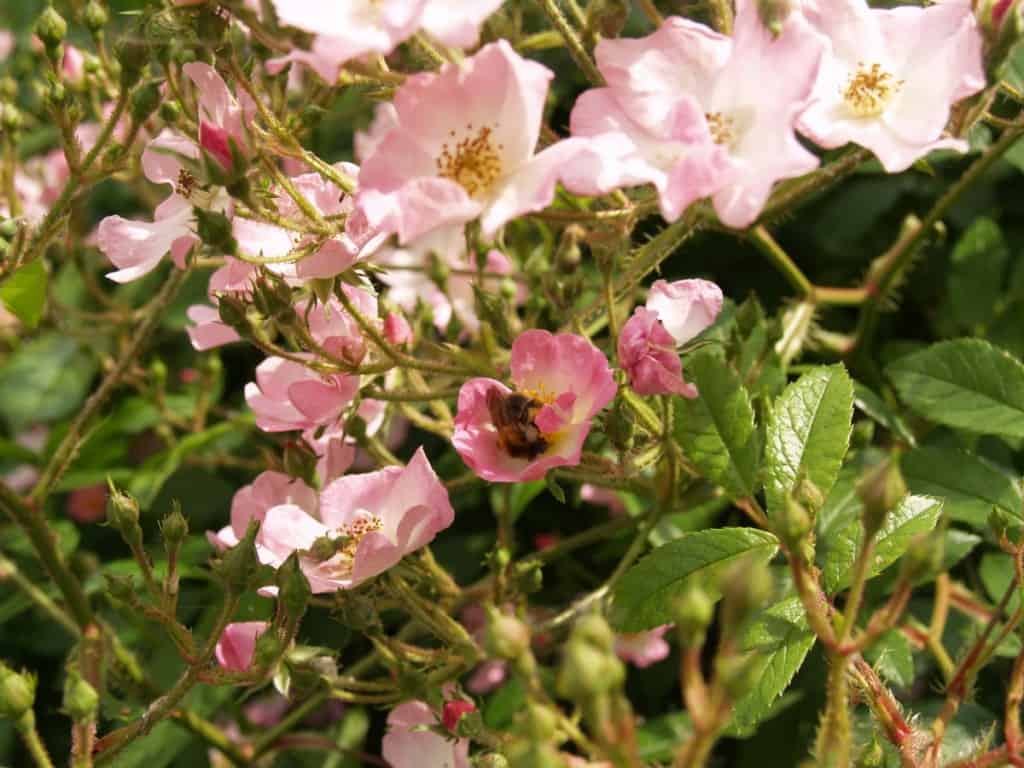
(9, 570)
(572, 41)
(212, 735)
(65, 453)
(767, 245)
(265, 742)
(27, 728)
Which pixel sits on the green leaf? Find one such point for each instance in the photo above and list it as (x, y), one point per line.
(997, 575)
(891, 656)
(716, 429)
(779, 639)
(974, 282)
(643, 597)
(46, 379)
(658, 739)
(966, 383)
(913, 516)
(970, 485)
(808, 433)
(24, 292)
(875, 408)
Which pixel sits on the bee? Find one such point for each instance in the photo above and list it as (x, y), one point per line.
(513, 415)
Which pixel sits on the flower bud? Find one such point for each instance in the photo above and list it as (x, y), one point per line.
(122, 511)
(267, 650)
(293, 592)
(593, 629)
(923, 557)
(170, 112)
(880, 490)
(773, 14)
(17, 693)
(299, 461)
(588, 671)
(490, 760)
(10, 121)
(232, 313)
(174, 529)
(96, 16)
(506, 637)
(396, 329)
(568, 256)
(454, 710)
(132, 54)
(538, 722)
(81, 702)
(56, 95)
(214, 229)
(120, 588)
(795, 524)
(746, 588)
(145, 101)
(620, 426)
(693, 612)
(737, 674)
(238, 566)
(607, 17)
(51, 29)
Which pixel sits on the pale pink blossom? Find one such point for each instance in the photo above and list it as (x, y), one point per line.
(375, 519)
(354, 29)
(459, 144)
(647, 353)
(643, 649)
(685, 307)
(251, 502)
(289, 395)
(891, 76)
(207, 331)
(73, 64)
(335, 449)
(683, 112)
(237, 645)
(397, 329)
(6, 43)
(566, 381)
(408, 745)
(334, 329)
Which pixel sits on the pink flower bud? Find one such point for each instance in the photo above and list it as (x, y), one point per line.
(215, 141)
(88, 504)
(73, 65)
(647, 353)
(453, 712)
(237, 644)
(396, 329)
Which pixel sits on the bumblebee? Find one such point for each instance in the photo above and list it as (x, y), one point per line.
(513, 416)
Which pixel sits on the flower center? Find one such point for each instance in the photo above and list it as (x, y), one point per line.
(341, 564)
(870, 89)
(186, 183)
(722, 128)
(474, 162)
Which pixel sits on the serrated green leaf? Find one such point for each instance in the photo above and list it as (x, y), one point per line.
(46, 379)
(808, 433)
(966, 383)
(779, 639)
(24, 292)
(643, 597)
(913, 516)
(877, 409)
(716, 429)
(969, 485)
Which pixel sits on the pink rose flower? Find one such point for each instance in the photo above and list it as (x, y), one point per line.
(454, 710)
(136, 247)
(406, 745)
(562, 381)
(643, 648)
(251, 502)
(237, 645)
(681, 111)
(891, 76)
(487, 676)
(88, 504)
(603, 497)
(459, 144)
(397, 329)
(287, 395)
(377, 518)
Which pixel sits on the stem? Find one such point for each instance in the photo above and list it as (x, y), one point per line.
(265, 742)
(9, 570)
(572, 41)
(765, 243)
(27, 728)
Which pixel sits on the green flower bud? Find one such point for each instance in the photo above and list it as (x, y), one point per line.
(233, 313)
(56, 95)
(51, 29)
(8, 228)
(268, 649)
(214, 229)
(620, 426)
(490, 760)
(17, 693)
(122, 512)
(96, 16)
(174, 529)
(924, 556)
(238, 566)
(746, 589)
(538, 722)
(145, 101)
(506, 637)
(737, 674)
(693, 612)
(569, 256)
(796, 523)
(132, 54)
(607, 17)
(120, 588)
(588, 670)
(880, 490)
(10, 121)
(300, 461)
(293, 589)
(170, 112)
(773, 14)
(531, 755)
(81, 702)
(594, 630)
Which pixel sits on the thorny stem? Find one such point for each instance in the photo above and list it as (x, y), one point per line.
(572, 41)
